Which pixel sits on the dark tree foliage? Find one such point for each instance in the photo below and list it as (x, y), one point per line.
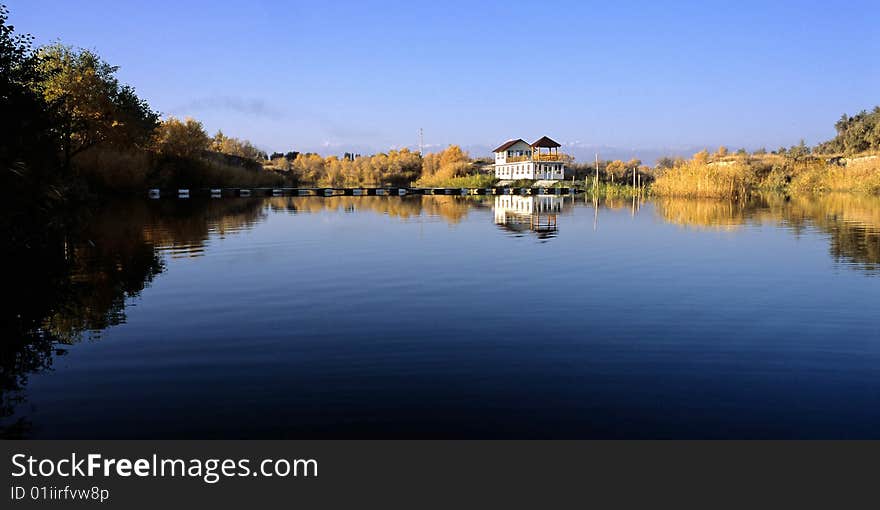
(28, 146)
(799, 151)
(290, 155)
(665, 162)
(56, 102)
(89, 104)
(855, 134)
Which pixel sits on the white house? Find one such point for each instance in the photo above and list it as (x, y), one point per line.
(534, 212)
(508, 207)
(517, 159)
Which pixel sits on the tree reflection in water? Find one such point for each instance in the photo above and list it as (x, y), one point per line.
(852, 222)
(68, 281)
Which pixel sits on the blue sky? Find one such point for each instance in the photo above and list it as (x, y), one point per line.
(331, 76)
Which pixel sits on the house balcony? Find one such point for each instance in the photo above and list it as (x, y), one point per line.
(536, 157)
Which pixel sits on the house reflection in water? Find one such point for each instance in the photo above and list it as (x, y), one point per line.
(531, 213)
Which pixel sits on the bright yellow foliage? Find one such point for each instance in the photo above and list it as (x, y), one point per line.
(397, 167)
(185, 138)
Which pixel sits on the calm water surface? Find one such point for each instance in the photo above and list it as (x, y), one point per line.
(435, 317)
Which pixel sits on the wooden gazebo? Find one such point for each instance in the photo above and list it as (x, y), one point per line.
(552, 147)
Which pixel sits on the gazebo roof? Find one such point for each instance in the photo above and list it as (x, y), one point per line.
(546, 142)
(506, 145)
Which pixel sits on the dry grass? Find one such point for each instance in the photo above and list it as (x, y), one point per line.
(698, 178)
(740, 178)
(114, 170)
(860, 175)
(450, 173)
(132, 171)
(462, 181)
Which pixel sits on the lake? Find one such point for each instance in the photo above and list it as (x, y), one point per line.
(449, 317)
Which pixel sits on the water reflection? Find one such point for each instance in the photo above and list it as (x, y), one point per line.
(71, 283)
(452, 209)
(851, 222)
(537, 214)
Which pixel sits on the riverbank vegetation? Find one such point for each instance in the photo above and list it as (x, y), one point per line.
(848, 162)
(70, 130)
(73, 131)
(451, 167)
(852, 221)
(740, 176)
(395, 168)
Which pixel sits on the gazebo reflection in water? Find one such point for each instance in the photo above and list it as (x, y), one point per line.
(530, 213)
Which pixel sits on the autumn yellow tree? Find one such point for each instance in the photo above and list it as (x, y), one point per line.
(185, 138)
(236, 147)
(616, 170)
(452, 155)
(309, 168)
(91, 106)
(395, 168)
(442, 166)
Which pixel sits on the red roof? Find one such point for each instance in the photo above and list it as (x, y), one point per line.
(546, 142)
(506, 145)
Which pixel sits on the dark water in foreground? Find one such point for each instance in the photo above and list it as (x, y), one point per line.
(438, 317)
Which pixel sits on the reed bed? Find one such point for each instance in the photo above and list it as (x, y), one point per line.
(131, 171)
(463, 181)
(740, 178)
(859, 174)
(698, 179)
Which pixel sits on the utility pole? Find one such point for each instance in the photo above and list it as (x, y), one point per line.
(421, 142)
(596, 182)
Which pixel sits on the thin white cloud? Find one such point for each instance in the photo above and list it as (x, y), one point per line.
(249, 106)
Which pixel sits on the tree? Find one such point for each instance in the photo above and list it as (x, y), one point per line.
(186, 139)
(665, 162)
(721, 152)
(236, 147)
(617, 170)
(28, 147)
(799, 151)
(855, 134)
(449, 163)
(451, 155)
(90, 105)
